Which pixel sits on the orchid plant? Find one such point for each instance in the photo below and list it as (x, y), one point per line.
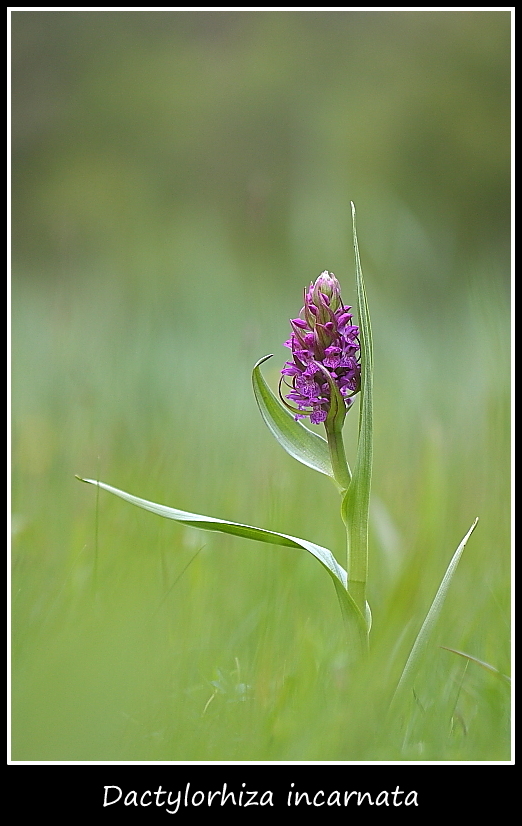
(331, 365)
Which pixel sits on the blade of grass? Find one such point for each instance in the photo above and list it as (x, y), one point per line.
(483, 664)
(422, 639)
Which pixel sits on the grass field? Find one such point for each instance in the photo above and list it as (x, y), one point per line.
(139, 308)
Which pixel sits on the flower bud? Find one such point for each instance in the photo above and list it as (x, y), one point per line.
(326, 287)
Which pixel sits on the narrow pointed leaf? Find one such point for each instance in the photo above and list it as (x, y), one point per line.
(350, 612)
(356, 501)
(307, 447)
(483, 664)
(422, 640)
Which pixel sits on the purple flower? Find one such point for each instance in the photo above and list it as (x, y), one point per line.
(325, 347)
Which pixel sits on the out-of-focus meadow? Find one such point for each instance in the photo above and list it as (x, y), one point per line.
(178, 178)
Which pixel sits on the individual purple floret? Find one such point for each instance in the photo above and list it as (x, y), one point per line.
(323, 339)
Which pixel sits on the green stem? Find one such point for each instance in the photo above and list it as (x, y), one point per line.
(356, 528)
(355, 510)
(358, 570)
(340, 468)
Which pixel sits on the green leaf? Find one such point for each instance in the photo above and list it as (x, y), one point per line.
(355, 506)
(304, 445)
(422, 640)
(351, 613)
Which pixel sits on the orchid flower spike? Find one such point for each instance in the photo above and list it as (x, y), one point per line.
(325, 352)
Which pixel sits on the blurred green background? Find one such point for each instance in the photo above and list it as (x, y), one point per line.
(178, 178)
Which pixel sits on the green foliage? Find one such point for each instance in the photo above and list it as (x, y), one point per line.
(303, 444)
(423, 638)
(355, 508)
(209, 523)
